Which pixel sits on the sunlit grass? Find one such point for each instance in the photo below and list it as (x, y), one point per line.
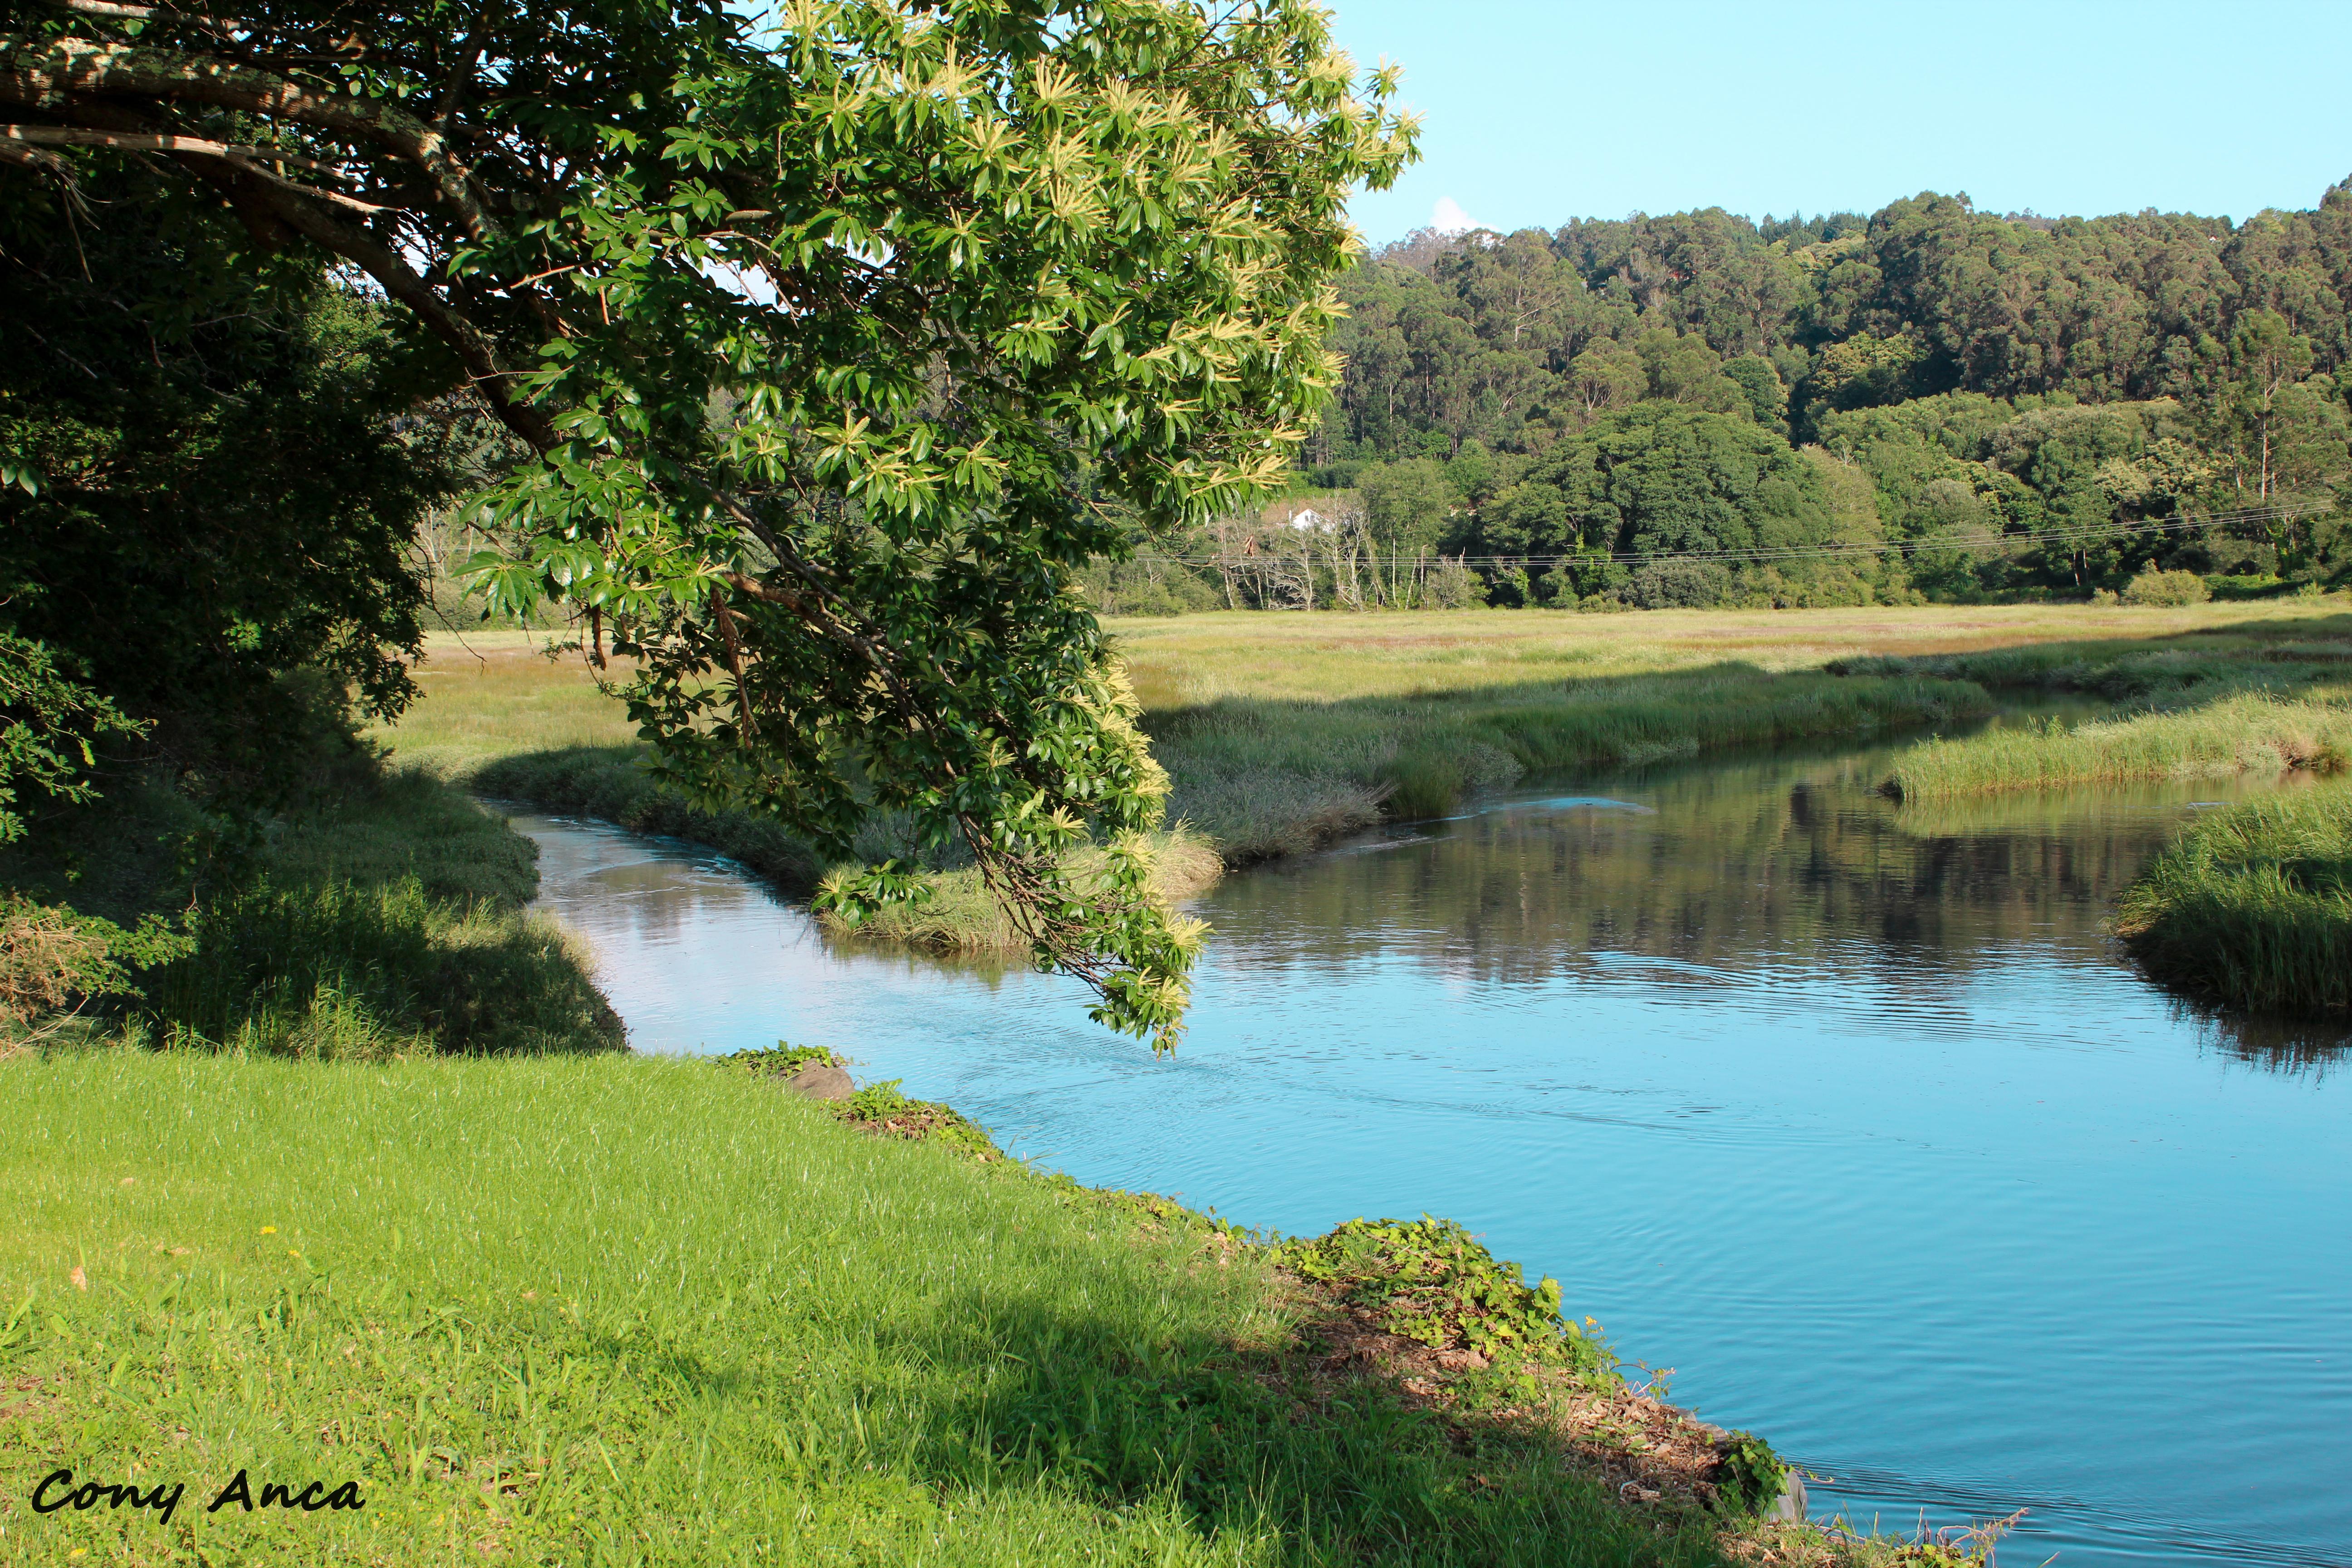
(1329, 658)
(2252, 907)
(489, 694)
(2248, 734)
(636, 1310)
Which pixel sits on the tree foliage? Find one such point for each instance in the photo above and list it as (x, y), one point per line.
(843, 346)
(2013, 403)
(209, 489)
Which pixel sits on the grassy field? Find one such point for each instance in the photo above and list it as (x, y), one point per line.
(624, 1310)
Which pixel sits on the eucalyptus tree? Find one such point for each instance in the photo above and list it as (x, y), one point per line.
(842, 336)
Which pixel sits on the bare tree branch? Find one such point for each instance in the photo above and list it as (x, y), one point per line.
(239, 157)
(100, 68)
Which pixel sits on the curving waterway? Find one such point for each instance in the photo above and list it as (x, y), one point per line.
(1846, 1111)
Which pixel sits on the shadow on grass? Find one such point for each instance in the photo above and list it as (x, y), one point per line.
(1263, 1454)
(1250, 1443)
(344, 970)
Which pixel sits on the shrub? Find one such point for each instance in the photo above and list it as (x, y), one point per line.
(53, 960)
(1680, 585)
(2166, 588)
(1452, 585)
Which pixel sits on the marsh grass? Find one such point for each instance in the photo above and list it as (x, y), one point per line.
(2252, 733)
(1282, 734)
(2254, 698)
(633, 1311)
(2252, 907)
(1311, 770)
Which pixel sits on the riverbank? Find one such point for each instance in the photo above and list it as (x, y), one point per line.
(1283, 732)
(542, 1309)
(380, 918)
(2249, 908)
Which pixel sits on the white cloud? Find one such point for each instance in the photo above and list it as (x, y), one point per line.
(1447, 218)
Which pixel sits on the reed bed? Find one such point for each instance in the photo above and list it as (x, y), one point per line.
(2252, 732)
(2252, 907)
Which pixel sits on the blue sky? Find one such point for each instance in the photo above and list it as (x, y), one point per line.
(1537, 113)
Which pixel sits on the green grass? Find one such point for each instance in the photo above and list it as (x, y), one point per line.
(380, 918)
(340, 971)
(628, 1311)
(2252, 907)
(2248, 734)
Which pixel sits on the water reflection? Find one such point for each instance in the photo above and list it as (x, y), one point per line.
(1849, 1111)
(1731, 870)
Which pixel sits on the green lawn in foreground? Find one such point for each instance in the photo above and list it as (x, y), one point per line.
(629, 1310)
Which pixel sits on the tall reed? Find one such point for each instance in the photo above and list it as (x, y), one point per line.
(2252, 732)
(2252, 906)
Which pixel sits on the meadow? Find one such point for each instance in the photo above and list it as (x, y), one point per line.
(1281, 732)
(632, 1310)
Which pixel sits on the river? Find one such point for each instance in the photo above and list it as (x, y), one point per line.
(1848, 1113)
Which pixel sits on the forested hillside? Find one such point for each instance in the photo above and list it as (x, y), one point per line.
(1931, 401)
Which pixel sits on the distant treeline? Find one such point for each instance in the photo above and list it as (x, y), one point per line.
(1930, 401)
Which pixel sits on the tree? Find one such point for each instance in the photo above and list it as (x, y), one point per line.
(48, 721)
(211, 490)
(1607, 375)
(1405, 503)
(1768, 397)
(842, 347)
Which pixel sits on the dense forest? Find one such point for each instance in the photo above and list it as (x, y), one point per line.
(1931, 402)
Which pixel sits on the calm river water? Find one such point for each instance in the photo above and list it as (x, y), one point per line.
(1847, 1112)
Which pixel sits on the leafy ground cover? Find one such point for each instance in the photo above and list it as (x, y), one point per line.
(633, 1311)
